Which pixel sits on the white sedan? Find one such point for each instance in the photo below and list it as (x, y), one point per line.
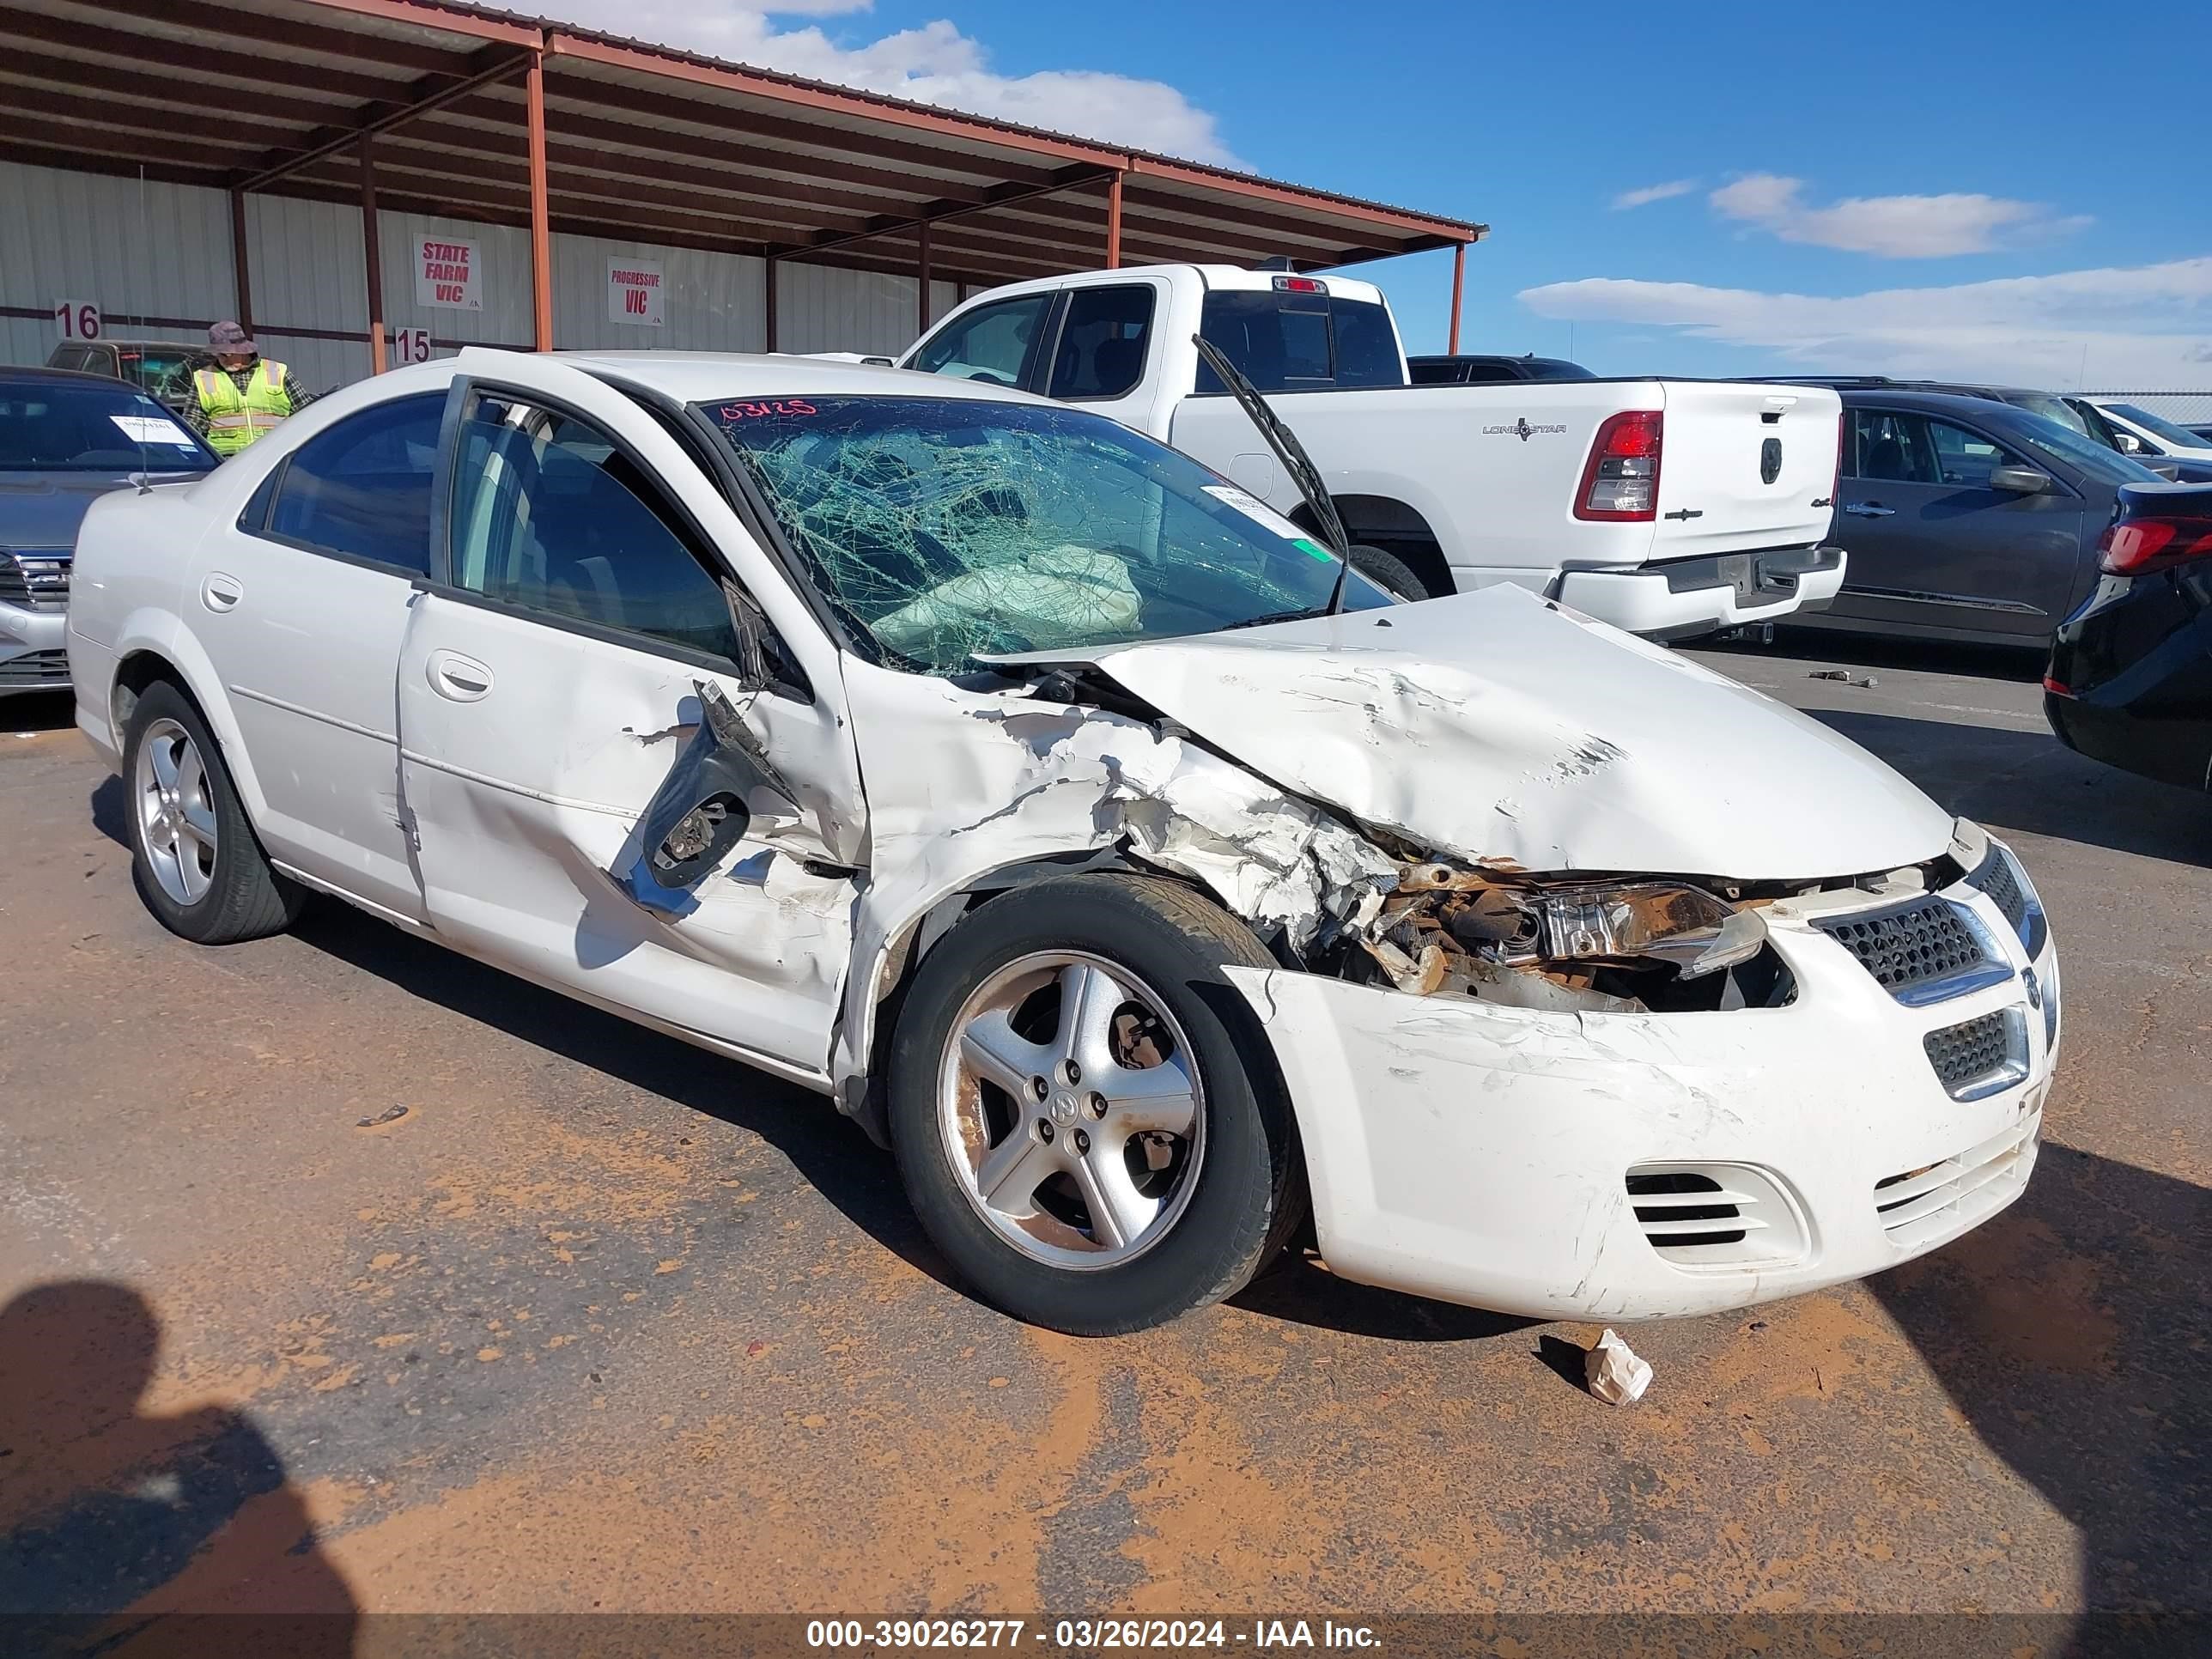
(1079, 825)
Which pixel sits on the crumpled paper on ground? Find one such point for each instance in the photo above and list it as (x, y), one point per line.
(1613, 1372)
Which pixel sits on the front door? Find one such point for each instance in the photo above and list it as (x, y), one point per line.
(553, 681)
(1933, 545)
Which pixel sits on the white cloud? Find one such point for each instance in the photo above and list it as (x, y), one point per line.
(2145, 325)
(1896, 226)
(1650, 193)
(932, 65)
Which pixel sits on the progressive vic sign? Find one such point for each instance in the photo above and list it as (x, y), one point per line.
(634, 292)
(446, 274)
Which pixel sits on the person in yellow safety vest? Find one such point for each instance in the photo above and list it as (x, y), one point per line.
(244, 396)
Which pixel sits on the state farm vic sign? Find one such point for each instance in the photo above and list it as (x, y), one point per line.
(447, 273)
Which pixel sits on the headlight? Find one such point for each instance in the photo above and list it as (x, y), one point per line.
(1643, 922)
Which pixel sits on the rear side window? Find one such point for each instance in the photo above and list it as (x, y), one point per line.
(1289, 341)
(1103, 342)
(361, 490)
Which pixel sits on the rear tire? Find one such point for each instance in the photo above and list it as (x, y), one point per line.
(194, 858)
(1156, 1175)
(1388, 570)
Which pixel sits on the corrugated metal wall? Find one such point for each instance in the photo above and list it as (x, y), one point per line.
(164, 250)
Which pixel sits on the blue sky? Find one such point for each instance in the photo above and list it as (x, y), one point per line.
(1800, 146)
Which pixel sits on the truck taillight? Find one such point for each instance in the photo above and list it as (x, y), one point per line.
(2137, 547)
(1621, 480)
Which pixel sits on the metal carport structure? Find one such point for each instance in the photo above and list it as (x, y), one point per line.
(430, 106)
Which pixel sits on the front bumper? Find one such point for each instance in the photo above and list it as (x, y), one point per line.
(1684, 597)
(1482, 1154)
(32, 650)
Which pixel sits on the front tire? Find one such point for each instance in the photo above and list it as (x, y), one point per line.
(194, 858)
(1083, 1109)
(1387, 570)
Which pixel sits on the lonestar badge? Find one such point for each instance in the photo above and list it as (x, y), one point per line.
(1522, 430)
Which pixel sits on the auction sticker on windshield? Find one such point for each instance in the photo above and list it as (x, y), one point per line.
(150, 429)
(1255, 509)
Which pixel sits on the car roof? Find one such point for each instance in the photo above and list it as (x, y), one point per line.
(694, 377)
(1932, 403)
(39, 372)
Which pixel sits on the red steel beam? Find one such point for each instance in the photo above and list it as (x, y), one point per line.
(82, 75)
(541, 234)
(241, 268)
(938, 212)
(1459, 277)
(372, 255)
(1113, 220)
(922, 288)
(768, 303)
(425, 95)
(437, 17)
(178, 60)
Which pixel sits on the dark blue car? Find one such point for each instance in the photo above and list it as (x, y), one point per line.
(1966, 519)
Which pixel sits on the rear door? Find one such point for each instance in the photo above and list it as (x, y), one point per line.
(1744, 467)
(1932, 545)
(300, 604)
(566, 684)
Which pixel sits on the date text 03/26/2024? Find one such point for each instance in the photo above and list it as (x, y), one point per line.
(1084, 1635)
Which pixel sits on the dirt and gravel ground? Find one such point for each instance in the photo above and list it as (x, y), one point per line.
(598, 1322)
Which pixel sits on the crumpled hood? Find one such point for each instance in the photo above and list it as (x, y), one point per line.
(1493, 724)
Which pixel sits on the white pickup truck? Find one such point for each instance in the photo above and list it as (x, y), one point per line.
(1669, 507)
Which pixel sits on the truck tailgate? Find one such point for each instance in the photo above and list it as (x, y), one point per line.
(1743, 467)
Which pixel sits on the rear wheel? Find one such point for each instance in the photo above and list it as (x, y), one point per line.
(1082, 1109)
(194, 856)
(1388, 570)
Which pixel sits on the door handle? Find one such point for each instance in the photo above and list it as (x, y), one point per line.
(221, 592)
(1870, 510)
(459, 678)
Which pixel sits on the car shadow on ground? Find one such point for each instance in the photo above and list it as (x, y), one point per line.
(117, 1525)
(833, 1154)
(2030, 782)
(1995, 662)
(2073, 1333)
(37, 711)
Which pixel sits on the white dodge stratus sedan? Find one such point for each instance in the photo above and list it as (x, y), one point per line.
(1081, 827)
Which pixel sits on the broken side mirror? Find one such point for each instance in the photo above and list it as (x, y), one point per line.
(702, 809)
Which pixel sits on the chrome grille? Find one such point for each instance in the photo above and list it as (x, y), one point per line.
(1920, 951)
(1980, 1056)
(36, 577)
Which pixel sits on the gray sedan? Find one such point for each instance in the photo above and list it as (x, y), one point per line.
(1966, 519)
(64, 440)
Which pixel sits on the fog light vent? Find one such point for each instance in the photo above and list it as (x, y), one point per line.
(1714, 1215)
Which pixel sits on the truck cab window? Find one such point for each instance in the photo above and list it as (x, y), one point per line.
(1103, 342)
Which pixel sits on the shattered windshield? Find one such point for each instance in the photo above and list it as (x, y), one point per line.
(947, 527)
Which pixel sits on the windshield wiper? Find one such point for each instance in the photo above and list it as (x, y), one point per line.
(1277, 616)
(1296, 462)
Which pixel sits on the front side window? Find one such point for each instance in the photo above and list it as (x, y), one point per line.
(992, 343)
(85, 426)
(1102, 347)
(550, 516)
(1966, 458)
(361, 489)
(942, 528)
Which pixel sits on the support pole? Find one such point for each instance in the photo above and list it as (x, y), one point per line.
(373, 256)
(541, 235)
(1459, 277)
(768, 307)
(921, 305)
(241, 268)
(1114, 221)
